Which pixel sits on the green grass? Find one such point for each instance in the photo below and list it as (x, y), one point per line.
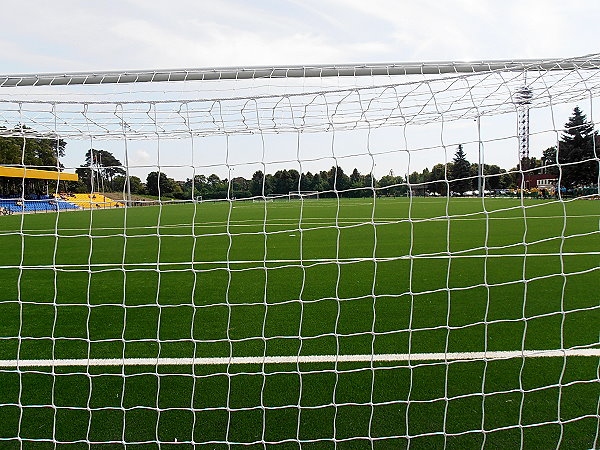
(309, 285)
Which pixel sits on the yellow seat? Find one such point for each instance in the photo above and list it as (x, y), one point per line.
(94, 200)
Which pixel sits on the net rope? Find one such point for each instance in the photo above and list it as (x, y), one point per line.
(385, 311)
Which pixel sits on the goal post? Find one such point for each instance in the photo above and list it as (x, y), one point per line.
(440, 293)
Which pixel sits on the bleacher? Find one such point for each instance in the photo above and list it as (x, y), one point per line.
(37, 205)
(56, 202)
(89, 200)
(14, 200)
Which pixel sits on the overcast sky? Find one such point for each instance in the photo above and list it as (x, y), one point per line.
(67, 35)
(63, 35)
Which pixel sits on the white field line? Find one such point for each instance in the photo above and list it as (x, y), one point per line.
(387, 357)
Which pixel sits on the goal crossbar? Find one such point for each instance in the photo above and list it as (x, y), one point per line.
(298, 71)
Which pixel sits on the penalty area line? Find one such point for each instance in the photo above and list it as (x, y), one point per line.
(386, 357)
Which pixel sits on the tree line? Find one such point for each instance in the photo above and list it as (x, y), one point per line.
(329, 183)
(575, 159)
(32, 151)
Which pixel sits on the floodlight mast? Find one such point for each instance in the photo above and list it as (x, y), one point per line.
(523, 98)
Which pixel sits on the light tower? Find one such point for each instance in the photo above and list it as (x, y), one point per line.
(523, 97)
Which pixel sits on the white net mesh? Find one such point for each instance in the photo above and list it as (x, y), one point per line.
(266, 258)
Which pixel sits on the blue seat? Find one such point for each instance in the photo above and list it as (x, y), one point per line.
(43, 205)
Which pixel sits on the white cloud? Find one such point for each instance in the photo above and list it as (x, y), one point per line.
(217, 44)
(73, 35)
(141, 158)
(20, 53)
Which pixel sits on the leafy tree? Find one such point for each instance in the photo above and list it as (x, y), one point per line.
(256, 183)
(33, 151)
(416, 178)
(240, 187)
(368, 180)
(213, 180)
(320, 184)
(577, 146)
(439, 172)
(155, 187)
(240, 184)
(102, 166)
(85, 177)
(269, 184)
(358, 181)
(417, 184)
(356, 178)
(460, 172)
(177, 189)
(259, 181)
(474, 176)
(511, 179)
(549, 161)
(426, 175)
(295, 179)
(394, 185)
(135, 183)
(285, 181)
(324, 184)
(492, 176)
(198, 183)
(307, 182)
(338, 180)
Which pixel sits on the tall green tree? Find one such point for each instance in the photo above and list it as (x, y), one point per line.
(393, 186)
(44, 153)
(549, 161)
(320, 182)
(493, 175)
(577, 149)
(256, 183)
(159, 184)
(439, 173)
(307, 182)
(284, 182)
(356, 178)
(338, 180)
(101, 166)
(136, 185)
(33, 151)
(460, 172)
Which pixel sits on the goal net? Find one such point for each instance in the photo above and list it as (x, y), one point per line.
(433, 283)
(314, 195)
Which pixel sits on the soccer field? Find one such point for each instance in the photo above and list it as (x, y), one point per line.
(220, 281)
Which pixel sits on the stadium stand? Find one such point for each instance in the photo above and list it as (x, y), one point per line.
(89, 200)
(56, 202)
(37, 205)
(15, 203)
